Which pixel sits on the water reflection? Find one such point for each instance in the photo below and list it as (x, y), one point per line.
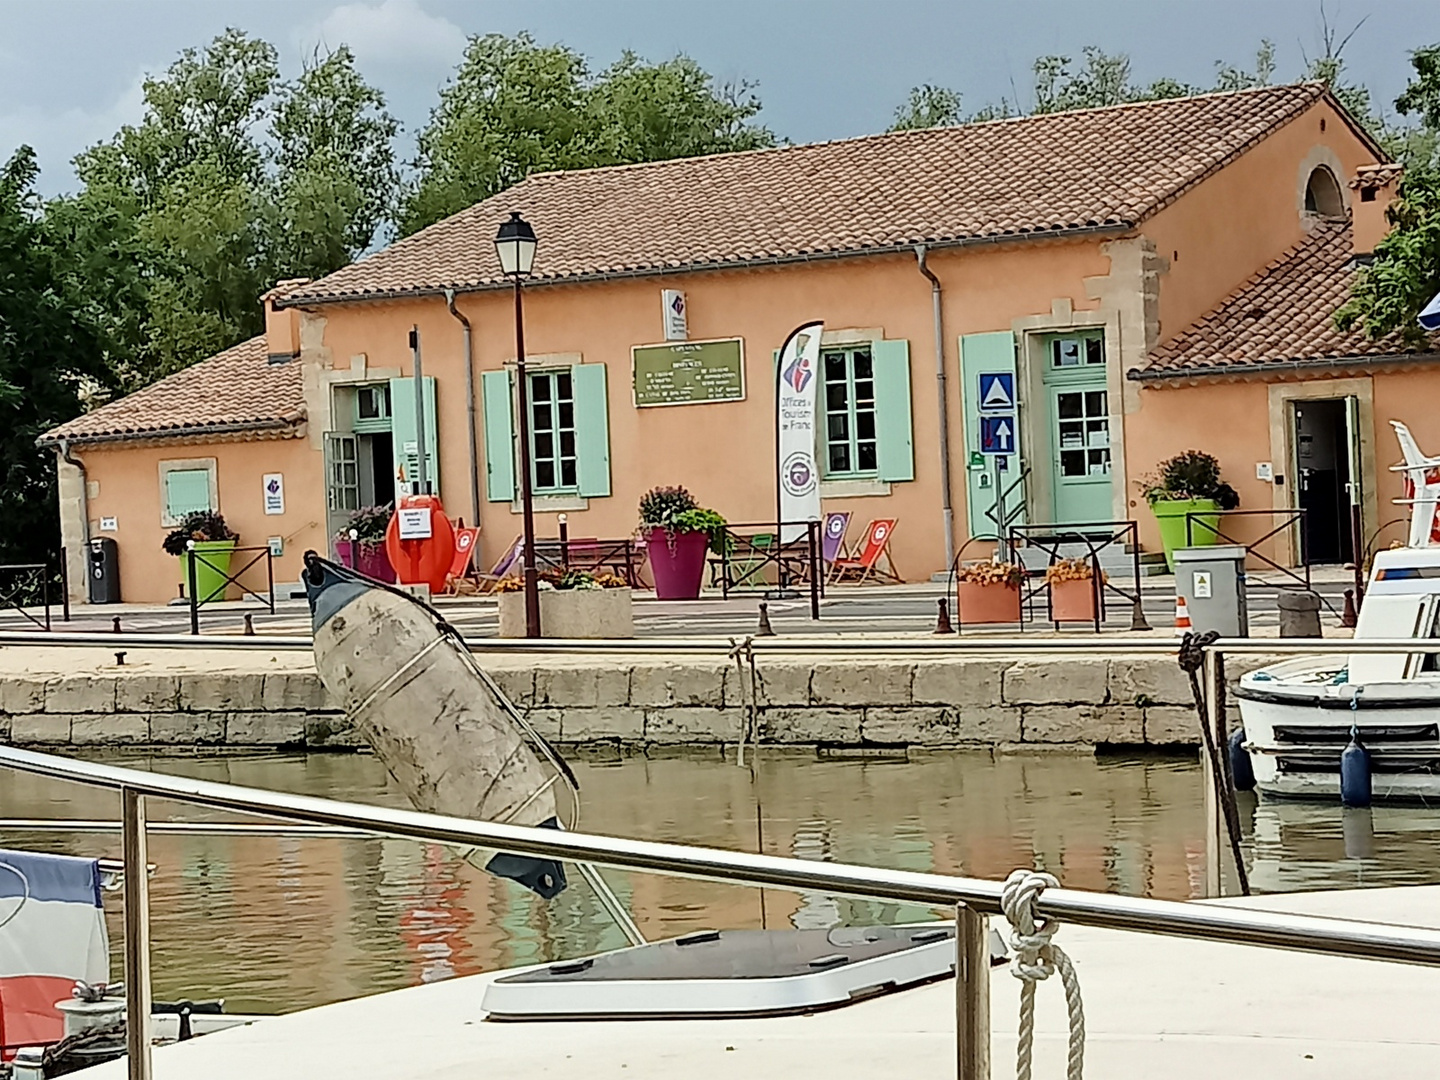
(277, 923)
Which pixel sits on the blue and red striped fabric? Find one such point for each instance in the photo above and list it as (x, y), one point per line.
(55, 935)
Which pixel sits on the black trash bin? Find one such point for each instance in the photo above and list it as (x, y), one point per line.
(103, 563)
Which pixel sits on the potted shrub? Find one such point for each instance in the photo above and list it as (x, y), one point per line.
(573, 604)
(361, 544)
(1188, 483)
(1074, 592)
(213, 541)
(678, 533)
(989, 592)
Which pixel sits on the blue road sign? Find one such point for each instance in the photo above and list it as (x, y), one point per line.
(997, 392)
(997, 434)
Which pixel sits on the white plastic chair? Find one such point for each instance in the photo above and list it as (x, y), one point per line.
(1422, 488)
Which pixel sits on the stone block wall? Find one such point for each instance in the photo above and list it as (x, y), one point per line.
(930, 701)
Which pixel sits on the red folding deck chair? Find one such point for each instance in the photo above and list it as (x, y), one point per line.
(865, 567)
(457, 580)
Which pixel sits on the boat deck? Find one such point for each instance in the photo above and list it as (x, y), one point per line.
(1154, 1007)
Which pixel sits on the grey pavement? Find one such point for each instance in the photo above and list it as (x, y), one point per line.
(845, 609)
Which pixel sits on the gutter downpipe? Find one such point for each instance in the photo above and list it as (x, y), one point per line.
(947, 509)
(470, 408)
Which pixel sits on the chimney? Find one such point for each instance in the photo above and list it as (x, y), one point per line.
(282, 325)
(1374, 188)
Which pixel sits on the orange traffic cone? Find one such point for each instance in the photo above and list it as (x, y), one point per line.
(1182, 617)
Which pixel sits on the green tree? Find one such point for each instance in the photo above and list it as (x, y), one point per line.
(335, 184)
(515, 107)
(1228, 77)
(1103, 80)
(48, 350)
(1388, 294)
(232, 180)
(928, 106)
(652, 112)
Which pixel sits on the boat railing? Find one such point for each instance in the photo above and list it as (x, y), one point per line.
(973, 899)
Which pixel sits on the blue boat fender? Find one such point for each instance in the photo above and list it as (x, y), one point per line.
(1355, 772)
(1242, 772)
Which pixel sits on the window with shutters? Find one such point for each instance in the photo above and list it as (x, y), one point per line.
(185, 487)
(851, 444)
(554, 465)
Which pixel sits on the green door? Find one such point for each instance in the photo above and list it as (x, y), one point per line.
(1079, 429)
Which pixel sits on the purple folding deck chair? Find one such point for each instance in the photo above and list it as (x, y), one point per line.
(832, 544)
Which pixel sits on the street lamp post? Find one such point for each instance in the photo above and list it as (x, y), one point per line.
(515, 244)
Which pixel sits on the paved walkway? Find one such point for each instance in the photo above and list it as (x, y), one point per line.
(845, 609)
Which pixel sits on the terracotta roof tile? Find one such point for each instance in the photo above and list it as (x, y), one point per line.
(1009, 178)
(236, 390)
(1379, 175)
(1282, 316)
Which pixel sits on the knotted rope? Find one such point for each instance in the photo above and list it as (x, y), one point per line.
(1036, 959)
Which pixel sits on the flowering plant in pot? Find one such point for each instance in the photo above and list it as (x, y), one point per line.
(360, 545)
(203, 537)
(1187, 484)
(573, 604)
(1074, 592)
(678, 532)
(989, 592)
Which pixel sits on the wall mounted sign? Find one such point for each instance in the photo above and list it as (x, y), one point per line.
(672, 309)
(274, 486)
(688, 373)
(108, 524)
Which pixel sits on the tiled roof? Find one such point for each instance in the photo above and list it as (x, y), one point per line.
(234, 391)
(1035, 175)
(1283, 318)
(1368, 176)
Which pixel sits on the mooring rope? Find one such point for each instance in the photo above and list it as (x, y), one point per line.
(1036, 959)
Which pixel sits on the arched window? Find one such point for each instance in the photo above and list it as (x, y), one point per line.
(1322, 194)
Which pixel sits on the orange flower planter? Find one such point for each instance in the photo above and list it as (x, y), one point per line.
(1073, 601)
(992, 603)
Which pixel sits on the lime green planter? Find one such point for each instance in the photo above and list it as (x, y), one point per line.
(211, 569)
(1170, 515)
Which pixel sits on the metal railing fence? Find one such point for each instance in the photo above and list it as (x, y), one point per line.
(972, 898)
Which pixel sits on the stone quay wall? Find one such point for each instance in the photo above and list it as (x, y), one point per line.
(926, 702)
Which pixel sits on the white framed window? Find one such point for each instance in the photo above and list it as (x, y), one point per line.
(187, 485)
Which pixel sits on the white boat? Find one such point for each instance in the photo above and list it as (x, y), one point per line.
(1299, 715)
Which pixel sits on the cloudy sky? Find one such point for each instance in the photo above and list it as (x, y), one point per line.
(70, 70)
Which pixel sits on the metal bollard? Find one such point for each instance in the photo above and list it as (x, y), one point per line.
(942, 619)
(764, 629)
(249, 625)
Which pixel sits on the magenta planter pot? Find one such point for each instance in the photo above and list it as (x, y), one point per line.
(368, 559)
(678, 564)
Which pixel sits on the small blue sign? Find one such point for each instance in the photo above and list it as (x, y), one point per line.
(997, 392)
(997, 434)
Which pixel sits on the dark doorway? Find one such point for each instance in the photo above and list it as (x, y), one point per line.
(1322, 457)
(377, 469)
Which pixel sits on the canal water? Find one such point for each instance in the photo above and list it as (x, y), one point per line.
(273, 924)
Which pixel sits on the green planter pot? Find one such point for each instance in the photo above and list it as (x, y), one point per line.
(1170, 515)
(210, 570)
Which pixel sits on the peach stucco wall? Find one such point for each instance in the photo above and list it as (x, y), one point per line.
(125, 484)
(724, 453)
(1224, 230)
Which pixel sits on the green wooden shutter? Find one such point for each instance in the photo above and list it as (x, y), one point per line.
(186, 490)
(894, 441)
(592, 429)
(402, 431)
(983, 354)
(499, 437)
